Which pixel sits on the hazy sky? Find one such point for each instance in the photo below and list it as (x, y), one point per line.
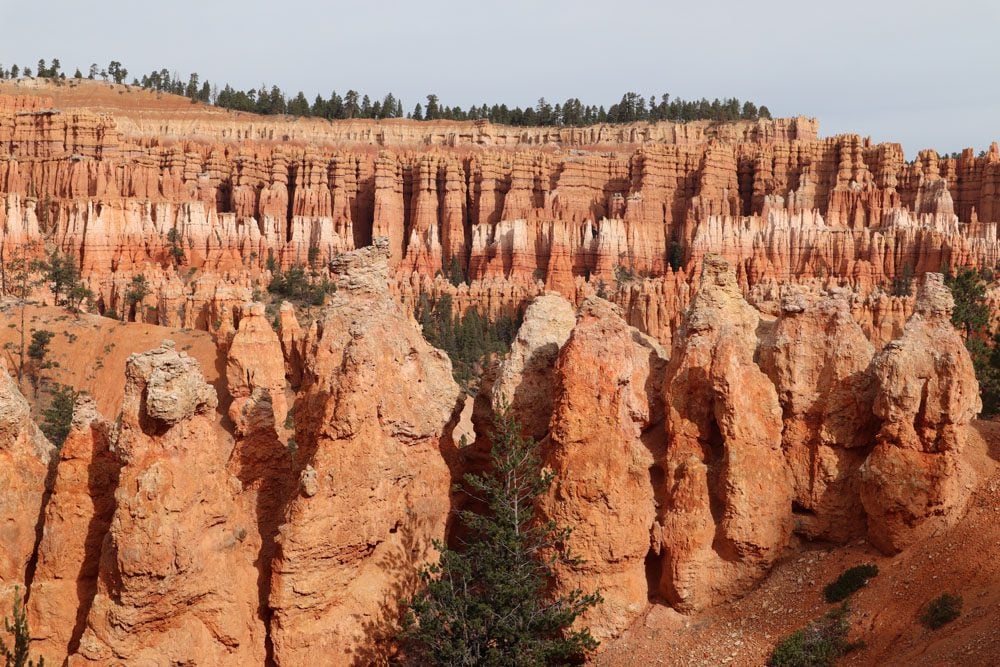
(925, 73)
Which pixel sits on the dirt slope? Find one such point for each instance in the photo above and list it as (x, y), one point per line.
(90, 351)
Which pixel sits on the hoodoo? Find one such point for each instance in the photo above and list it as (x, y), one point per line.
(749, 358)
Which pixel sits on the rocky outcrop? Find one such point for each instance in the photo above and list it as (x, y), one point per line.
(914, 482)
(176, 580)
(77, 519)
(25, 457)
(374, 486)
(818, 358)
(605, 451)
(255, 362)
(526, 377)
(726, 511)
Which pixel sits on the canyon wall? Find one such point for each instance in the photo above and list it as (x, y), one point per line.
(208, 204)
(734, 335)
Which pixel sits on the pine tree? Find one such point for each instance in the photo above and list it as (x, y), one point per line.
(17, 655)
(488, 603)
(57, 417)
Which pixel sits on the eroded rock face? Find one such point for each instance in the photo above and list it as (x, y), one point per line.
(605, 451)
(727, 502)
(914, 482)
(818, 358)
(77, 519)
(525, 378)
(255, 361)
(176, 580)
(375, 487)
(25, 457)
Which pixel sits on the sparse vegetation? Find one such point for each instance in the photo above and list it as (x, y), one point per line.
(675, 255)
(19, 277)
(138, 290)
(487, 603)
(902, 284)
(819, 644)
(295, 285)
(39, 347)
(175, 246)
(632, 107)
(941, 610)
(38, 352)
(849, 582)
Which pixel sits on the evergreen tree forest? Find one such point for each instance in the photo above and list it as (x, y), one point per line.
(272, 100)
(469, 340)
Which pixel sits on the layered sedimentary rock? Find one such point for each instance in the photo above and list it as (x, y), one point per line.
(605, 454)
(914, 482)
(177, 532)
(727, 503)
(492, 203)
(818, 358)
(375, 485)
(77, 519)
(25, 457)
(686, 482)
(683, 479)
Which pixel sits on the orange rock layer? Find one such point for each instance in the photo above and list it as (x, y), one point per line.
(510, 208)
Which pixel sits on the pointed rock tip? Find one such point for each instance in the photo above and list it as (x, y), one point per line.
(934, 299)
(364, 269)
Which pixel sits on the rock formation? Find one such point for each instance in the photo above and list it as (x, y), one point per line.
(525, 378)
(25, 456)
(77, 519)
(605, 454)
(914, 482)
(255, 362)
(726, 510)
(818, 358)
(500, 204)
(375, 485)
(773, 264)
(176, 582)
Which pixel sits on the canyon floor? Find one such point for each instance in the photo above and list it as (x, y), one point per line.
(962, 561)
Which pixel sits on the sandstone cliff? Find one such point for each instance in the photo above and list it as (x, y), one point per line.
(727, 506)
(375, 486)
(914, 482)
(77, 519)
(25, 458)
(507, 206)
(176, 534)
(605, 452)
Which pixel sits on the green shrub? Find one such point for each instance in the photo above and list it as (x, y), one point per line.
(296, 285)
(850, 581)
(16, 654)
(469, 340)
(941, 610)
(819, 644)
(58, 416)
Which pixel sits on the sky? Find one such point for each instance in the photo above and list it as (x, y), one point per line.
(924, 73)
